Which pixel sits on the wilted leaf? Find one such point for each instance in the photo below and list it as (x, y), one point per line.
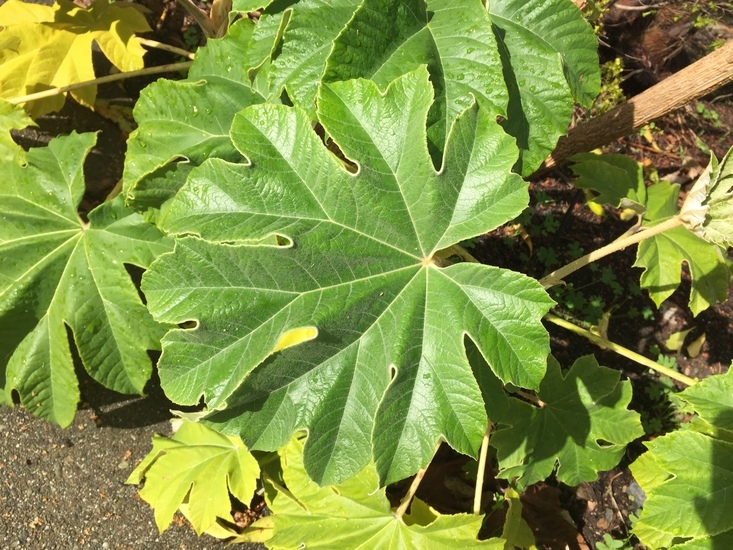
(357, 515)
(661, 256)
(695, 347)
(200, 467)
(51, 46)
(359, 266)
(58, 272)
(582, 429)
(676, 340)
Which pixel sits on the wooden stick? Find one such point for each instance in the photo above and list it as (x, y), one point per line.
(697, 80)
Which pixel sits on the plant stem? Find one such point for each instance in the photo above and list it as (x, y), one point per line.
(481, 471)
(536, 401)
(165, 47)
(405, 503)
(558, 275)
(102, 80)
(559, 321)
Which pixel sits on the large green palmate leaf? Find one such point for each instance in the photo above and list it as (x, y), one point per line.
(525, 60)
(453, 38)
(661, 256)
(312, 26)
(549, 59)
(688, 476)
(199, 466)
(57, 272)
(182, 123)
(357, 515)
(386, 375)
(582, 428)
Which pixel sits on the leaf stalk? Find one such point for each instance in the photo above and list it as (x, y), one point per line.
(625, 352)
(101, 80)
(165, 47)
(407, 499)
(557, 276)
(483, 454)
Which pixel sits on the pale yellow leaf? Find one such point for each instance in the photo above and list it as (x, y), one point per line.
(15, 12)
(675, 341)
(50, 47)
(694, 349)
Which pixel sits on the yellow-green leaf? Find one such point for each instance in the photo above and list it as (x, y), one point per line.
(356, 515)
(197, 466)
(46, 47)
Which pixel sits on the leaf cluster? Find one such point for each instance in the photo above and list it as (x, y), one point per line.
(297, 201)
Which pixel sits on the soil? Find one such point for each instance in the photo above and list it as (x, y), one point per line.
(65, 488)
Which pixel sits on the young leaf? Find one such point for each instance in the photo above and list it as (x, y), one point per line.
(582, 428)
(661, 256)
(359, 266)
(51, 46)
(708, 208)
(618, 179)
(549, 58)
(199, 467)
(357, 515)
(58, 272)
(182, 123)
(718, 224)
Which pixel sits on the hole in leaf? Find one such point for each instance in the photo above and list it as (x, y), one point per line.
(188, 325)
(136, 275)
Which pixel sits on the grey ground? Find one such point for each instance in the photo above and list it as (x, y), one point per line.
(64, 489)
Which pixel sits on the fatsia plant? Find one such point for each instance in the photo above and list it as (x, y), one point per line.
(386, 374)
(59, 270)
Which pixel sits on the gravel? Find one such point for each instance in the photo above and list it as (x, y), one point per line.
(64, 488)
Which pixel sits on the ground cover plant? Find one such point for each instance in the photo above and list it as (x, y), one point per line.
(304, 203)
